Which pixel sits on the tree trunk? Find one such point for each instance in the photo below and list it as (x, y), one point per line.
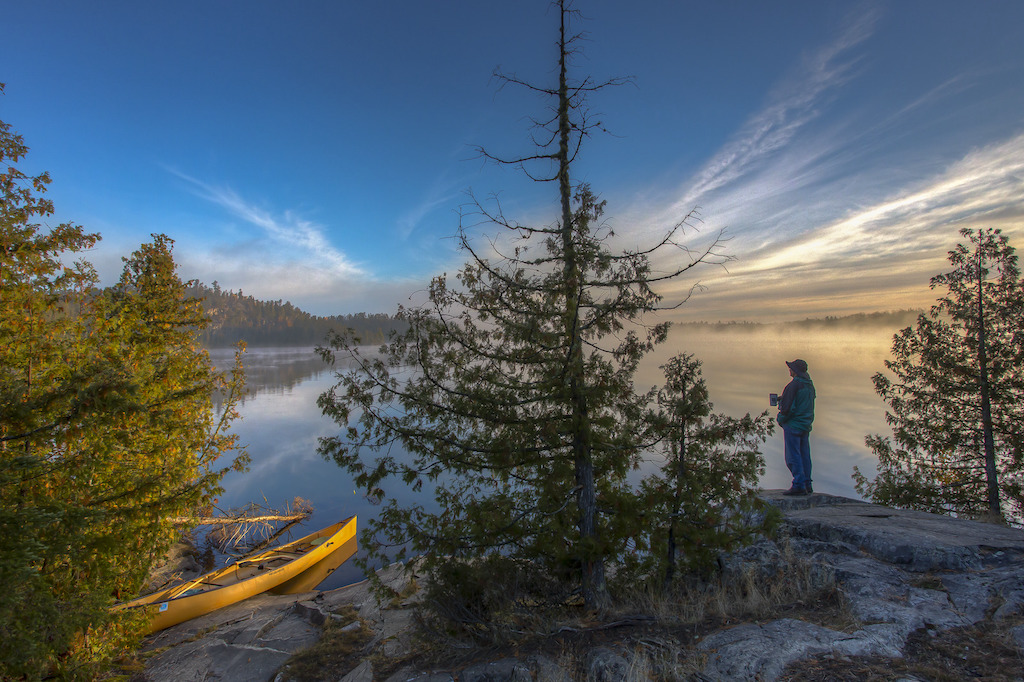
(991, 477)
(595, 590)
(680, 475)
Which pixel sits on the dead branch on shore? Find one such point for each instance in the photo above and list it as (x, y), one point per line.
(240, 518)
(254, 525)
(260, 546)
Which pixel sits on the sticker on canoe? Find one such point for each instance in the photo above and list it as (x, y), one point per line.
(163, 607)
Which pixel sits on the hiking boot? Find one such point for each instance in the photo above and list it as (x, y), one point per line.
(795, 491)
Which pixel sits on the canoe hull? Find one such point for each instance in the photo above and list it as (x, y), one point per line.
(244, 579)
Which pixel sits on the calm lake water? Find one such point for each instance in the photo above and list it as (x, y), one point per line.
(281, 423)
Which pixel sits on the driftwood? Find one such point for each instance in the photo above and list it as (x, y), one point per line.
(234, 532)
(260, 546)
(237, 530)
(240, 518)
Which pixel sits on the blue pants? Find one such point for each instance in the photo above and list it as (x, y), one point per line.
(798, 456)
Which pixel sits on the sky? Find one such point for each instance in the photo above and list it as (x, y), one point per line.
(319, 152)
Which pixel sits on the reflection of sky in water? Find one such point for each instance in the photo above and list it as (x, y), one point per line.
(280, 428)
(281, 423)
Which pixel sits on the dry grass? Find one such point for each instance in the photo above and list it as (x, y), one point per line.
(493, 602)
(401, 597)
(928, 581)
(654, 630)
(663, 658)
(796, 589)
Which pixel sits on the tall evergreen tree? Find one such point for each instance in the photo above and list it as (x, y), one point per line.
(512, 390)
(106, 430)
(956, 394)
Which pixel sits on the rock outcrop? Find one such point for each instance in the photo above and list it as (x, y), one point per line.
(251, 641)
(900, 572)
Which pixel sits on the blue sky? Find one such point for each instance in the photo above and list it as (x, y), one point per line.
(318, 151)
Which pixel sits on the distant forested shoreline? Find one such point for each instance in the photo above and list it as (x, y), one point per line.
(893, 319)
(236, 317)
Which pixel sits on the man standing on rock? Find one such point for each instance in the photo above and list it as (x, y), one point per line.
(796, 413)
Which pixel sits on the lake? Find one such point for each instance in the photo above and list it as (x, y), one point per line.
(281, 423)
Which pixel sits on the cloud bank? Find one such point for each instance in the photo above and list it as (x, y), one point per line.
(272, 256)
(829, 215)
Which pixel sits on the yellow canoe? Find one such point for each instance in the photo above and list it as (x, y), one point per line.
(318, 572)
(244, 579)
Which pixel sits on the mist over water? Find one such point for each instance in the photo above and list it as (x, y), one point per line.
(743, 365)
(281, 423)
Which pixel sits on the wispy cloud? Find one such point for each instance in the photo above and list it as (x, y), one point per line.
(283, 255)
(879, 255)
(982, 185)
(294, 238)
(442, 192)
(791, 107)
(843, 215)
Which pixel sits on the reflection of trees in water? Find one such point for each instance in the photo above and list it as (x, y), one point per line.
(275, 371)
(741, 369)
(271, 370)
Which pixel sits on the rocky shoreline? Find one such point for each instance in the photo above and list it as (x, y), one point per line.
(903, 575)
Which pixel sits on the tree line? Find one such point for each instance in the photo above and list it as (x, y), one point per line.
(885, 319)
(236, 317)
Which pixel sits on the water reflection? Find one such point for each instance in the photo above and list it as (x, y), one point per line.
(280, 428)
(281, 423)
(273, 370)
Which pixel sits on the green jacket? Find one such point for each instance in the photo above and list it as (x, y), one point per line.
(796, 406)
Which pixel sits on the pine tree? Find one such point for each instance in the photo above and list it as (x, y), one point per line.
(512, 390)
(698, 504)
(107, 430)
(956, 397)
